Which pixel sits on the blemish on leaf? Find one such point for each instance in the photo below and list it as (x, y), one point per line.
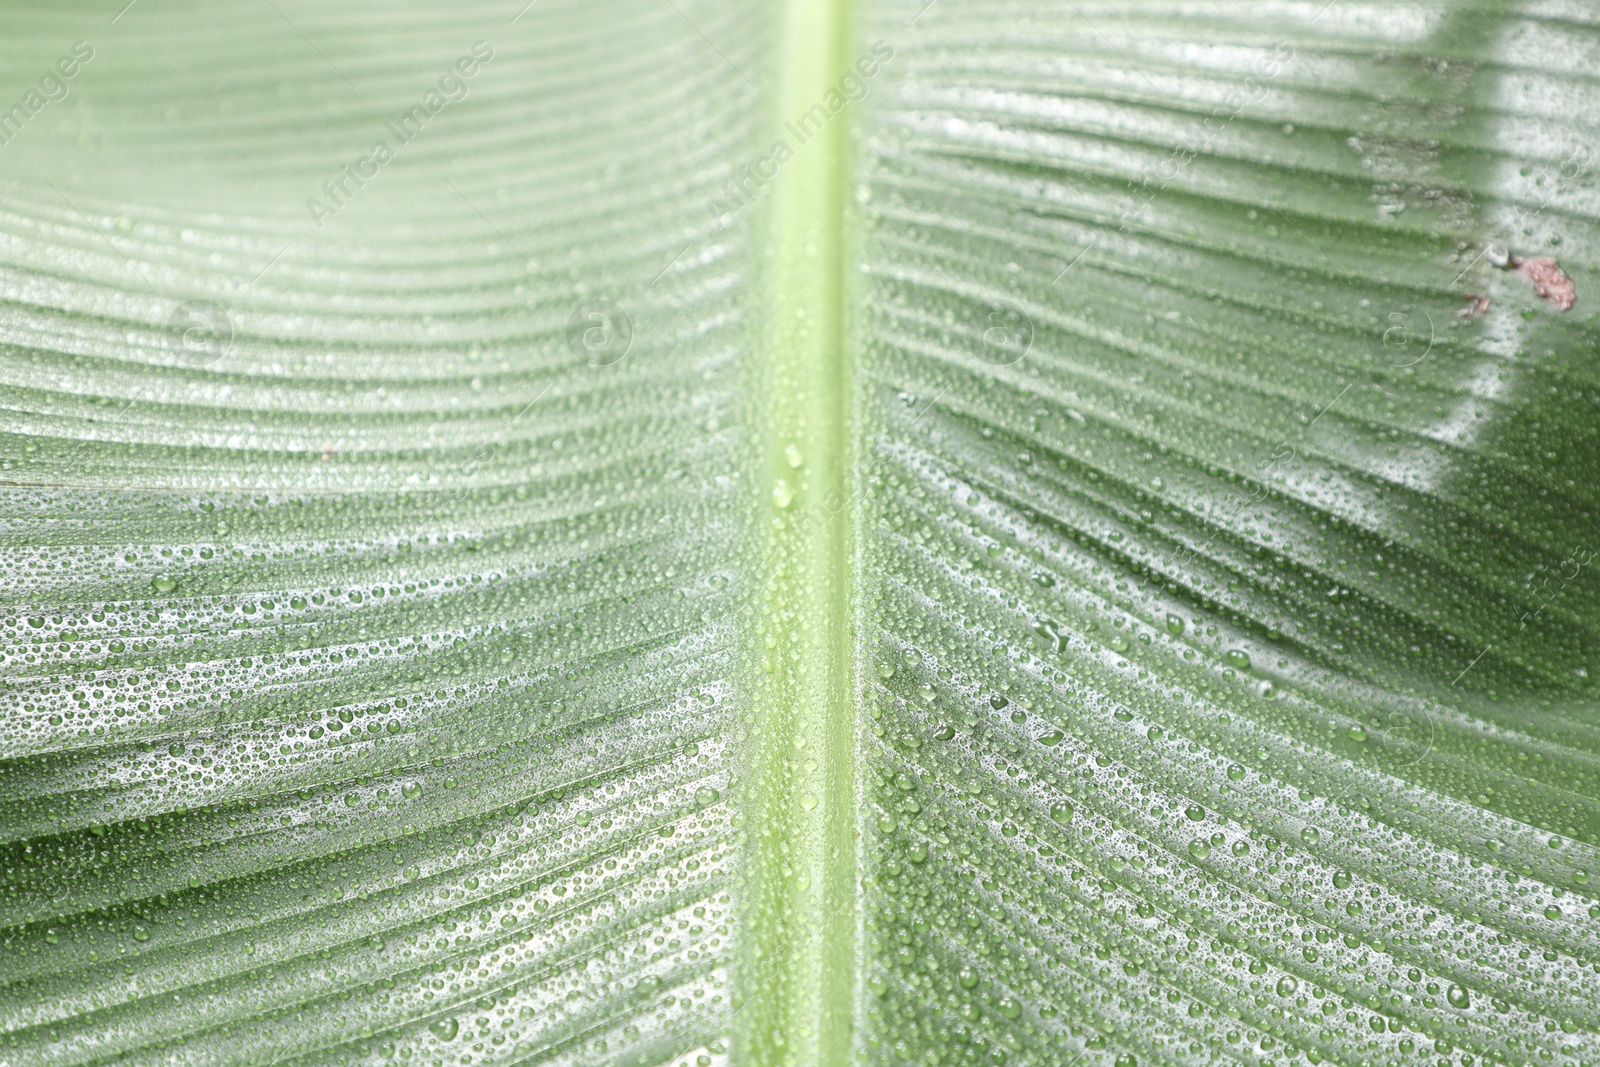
(1550, 282)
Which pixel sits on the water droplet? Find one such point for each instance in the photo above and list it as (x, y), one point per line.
(445, 1029)
(1050, 631)
(161, 583)
(1199, 849)
(1238, 658)
(1458, 997)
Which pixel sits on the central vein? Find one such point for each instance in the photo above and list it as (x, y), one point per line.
(799, 972)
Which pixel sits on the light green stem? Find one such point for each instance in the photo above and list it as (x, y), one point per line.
(799, 979)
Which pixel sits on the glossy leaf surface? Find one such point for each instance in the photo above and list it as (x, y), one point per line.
(977, 533)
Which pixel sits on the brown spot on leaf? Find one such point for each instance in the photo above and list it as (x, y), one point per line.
(1477, 304)
(1550, 282)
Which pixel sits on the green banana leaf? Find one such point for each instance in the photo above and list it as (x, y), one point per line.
(666, 532)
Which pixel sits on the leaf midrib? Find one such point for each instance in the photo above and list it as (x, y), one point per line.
(799, 974)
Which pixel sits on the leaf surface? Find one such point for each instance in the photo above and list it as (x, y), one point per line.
(973, 533)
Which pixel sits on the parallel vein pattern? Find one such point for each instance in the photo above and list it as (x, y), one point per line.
(367, 671)
(1231, 603)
